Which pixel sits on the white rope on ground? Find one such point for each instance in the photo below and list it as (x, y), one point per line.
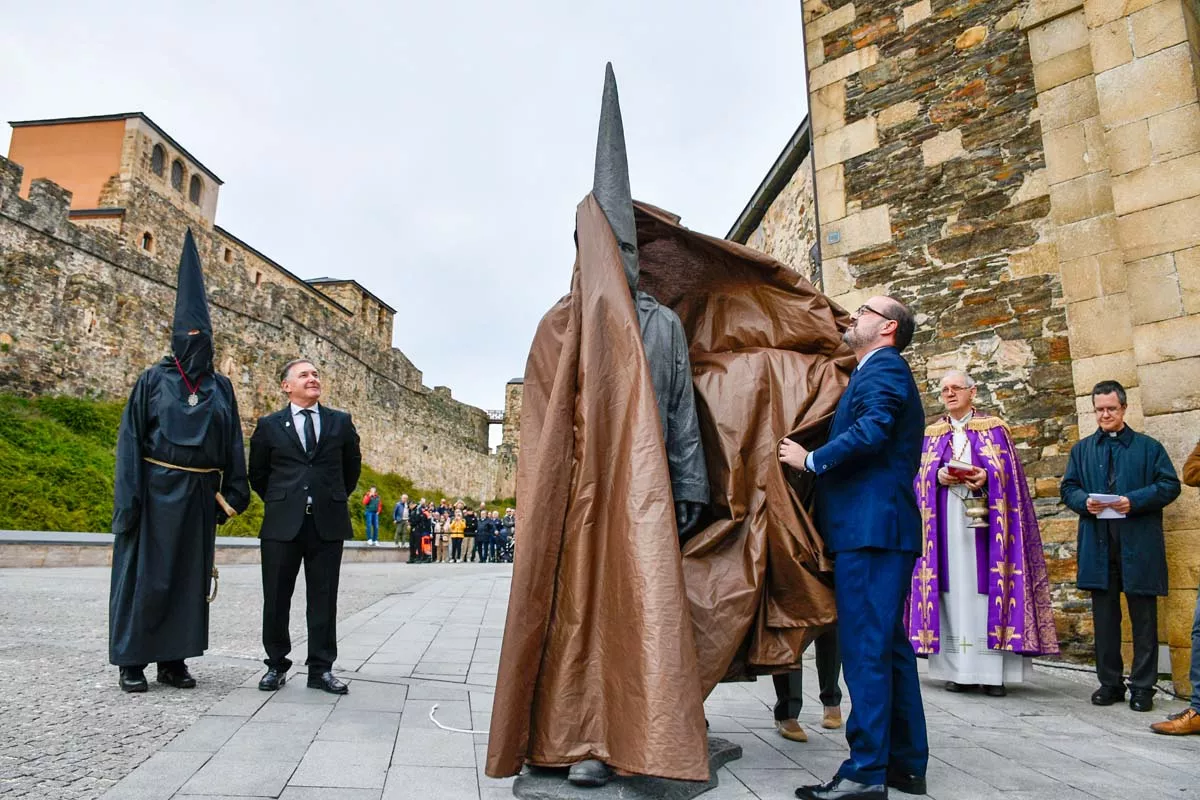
(447, 727)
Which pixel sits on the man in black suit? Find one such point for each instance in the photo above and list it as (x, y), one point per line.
(304, 462)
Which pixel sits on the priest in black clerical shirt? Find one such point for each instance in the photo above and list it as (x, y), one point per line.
(1121, 544)
(304, 463)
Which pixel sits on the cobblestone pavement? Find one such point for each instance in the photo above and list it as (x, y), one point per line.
(439, 644)
(67, 730)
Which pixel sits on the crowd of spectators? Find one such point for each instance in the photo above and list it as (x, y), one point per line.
(447, 533)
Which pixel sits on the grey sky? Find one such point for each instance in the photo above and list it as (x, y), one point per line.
(435, 152)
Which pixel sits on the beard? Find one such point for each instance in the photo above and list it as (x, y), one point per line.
(853, 337)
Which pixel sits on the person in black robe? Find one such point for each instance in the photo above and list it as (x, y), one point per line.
(180, 472)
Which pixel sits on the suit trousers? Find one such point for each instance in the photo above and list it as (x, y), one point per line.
(322, 567)
(414, 545)
(789, 687)
(1106, 620)
(886, 727)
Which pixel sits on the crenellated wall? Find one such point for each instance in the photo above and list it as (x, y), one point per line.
(82, 312)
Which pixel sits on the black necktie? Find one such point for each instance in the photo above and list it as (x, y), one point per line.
(310, 432)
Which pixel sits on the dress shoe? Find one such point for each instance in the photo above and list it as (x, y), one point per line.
(133, 680)
(1107, 695)
(1141, 699)
(177, 676)
(791, 730)
(842, 789)
(326, 682)
(995, 691)
(832, 718)
(1184, 723)
(909, 784)
(590, 773)
(273, 680)
(951, 686)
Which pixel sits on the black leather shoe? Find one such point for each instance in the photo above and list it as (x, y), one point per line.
(842, 789)
(995, 691)
(909, 784)
(133, 680)
(590, 773)
(1141, 699)
(326, 682)
(273, 680)
(177, 676)
(951, 686)
(1107, 695)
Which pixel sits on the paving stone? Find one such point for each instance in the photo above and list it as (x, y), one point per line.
(160, 776)
(451, 713)
(314, 793)
(234, 775)
(352, 765)
(432, 783)
(269, 741)
(240, 703)
(353, 725)
(371, 696)
(416, 747)
(206, 735)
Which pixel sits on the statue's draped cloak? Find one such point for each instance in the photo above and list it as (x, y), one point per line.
(613, 637)
(1010, 564)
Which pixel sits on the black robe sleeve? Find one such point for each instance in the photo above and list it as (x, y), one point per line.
(128, 480)
(234, 486)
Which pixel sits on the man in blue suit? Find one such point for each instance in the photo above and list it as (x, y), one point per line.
(867, 512)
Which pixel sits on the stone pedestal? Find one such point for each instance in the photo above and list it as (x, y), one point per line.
(553, 785)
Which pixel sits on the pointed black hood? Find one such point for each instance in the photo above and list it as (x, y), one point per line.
(610, 185)
(194, 352)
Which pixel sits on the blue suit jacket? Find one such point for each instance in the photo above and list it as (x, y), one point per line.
(865, 471)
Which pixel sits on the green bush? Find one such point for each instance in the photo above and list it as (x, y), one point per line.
(57, 456)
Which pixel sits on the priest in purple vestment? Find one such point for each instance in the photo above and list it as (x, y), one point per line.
(980, 603)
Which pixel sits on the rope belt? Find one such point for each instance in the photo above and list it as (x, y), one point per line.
(228, 509)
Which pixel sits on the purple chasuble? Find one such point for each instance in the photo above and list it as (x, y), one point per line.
(1011, 565)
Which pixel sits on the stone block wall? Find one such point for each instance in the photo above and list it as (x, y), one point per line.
(788, 229)
(1025, 175)
(82, 313)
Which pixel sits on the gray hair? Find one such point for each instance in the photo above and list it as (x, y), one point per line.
(968, 381)
(287, 368)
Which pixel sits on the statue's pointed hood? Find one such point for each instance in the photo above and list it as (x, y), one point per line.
(610, 186)
(195, 351)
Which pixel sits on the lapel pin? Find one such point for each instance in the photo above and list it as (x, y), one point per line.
(287, 424)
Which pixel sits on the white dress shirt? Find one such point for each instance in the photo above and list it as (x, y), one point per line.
(298, 421)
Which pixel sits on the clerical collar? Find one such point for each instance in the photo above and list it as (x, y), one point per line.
(961, 423)
(1123, 436)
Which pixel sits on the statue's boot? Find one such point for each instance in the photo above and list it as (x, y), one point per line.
(590, 773)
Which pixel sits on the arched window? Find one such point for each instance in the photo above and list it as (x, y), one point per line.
(195, 187)
(177, 175)
(148, 242)
(158, 160)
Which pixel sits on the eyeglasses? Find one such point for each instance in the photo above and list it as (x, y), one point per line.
(865, 308)
(956, 389)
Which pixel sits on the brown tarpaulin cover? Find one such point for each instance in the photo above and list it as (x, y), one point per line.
(613, 640)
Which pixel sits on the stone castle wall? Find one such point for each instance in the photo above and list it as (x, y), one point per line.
(82, 313)
(1024, 174)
